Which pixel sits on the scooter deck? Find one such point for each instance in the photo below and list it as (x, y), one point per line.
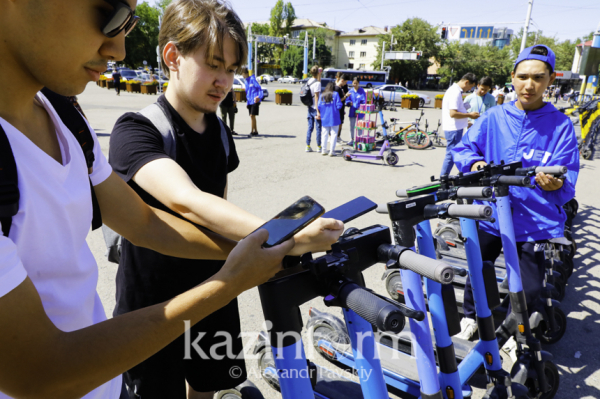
(331, 385)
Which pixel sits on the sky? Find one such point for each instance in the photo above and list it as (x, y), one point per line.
(563, 19)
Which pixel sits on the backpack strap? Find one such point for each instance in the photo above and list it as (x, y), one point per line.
(9, 184)
(157, 115)
(76, 123)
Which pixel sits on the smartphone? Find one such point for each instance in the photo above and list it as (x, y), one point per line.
(293, 219)
(351, 210)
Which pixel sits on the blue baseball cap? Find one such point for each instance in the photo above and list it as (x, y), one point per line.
(538, 52)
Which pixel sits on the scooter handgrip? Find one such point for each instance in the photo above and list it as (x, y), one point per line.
(433, 269)
(470, 211)
(552, 170)
(523, 181)
(474, 192)
(401, 193)
(382, 208)
(381, 314)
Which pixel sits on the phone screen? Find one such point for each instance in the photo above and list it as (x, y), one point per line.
(351, 210)
(293, 219)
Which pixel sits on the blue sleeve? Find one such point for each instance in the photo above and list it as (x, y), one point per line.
(566, 154)
(320, 105)
(470, 148)
(338, 102)
(260, 93)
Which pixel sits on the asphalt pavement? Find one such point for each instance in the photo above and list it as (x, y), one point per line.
(275, 171)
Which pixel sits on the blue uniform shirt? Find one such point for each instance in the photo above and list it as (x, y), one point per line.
(330, 111)
(544, 137)
(480, 104)
(253, 89)
(356, 99)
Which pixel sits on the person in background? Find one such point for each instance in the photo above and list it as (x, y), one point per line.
(512, 96)
(117, 81)
(536, 133)
(356, 97)
(229, 108)
(454, 117)
(556, 94)
(481, 100)
(314, 118)
(254, 96)
(341, 88)
(329, 106)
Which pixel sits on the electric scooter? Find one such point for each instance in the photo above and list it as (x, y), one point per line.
(398, 364)
(337, 276)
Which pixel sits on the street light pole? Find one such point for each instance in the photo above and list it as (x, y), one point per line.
(382, 54)
(526, 29)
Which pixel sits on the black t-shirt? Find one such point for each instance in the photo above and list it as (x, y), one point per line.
(146, 277)
(340, 91)
(228, 101)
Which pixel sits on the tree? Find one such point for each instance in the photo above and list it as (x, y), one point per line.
(141, 43)
(292, 61)
(266, 52)
(456, 59)
(283, 16)
(323, 56)
(413, 33)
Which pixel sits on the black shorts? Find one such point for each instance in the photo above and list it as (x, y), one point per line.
(164, 374)
(253, 109)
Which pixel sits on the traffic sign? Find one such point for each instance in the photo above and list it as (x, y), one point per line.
(145, 63)
(403, 55)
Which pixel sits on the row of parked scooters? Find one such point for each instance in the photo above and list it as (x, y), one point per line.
(425, 274)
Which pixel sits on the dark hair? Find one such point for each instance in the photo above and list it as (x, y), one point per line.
(327, 94)
(539, 50)
(486, 81)
(314, 71)
(506, 91)
(338, 74)
(470, 77)
(355, 80)
(345, 76)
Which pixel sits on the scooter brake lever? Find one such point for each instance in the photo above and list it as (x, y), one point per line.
(406, 311)
(460, 271)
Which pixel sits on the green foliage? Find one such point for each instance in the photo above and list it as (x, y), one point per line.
(282, 18)
(142, 41)
(457, 59)
(323, 54)
(292, 61)
(266, 52)
(414, 32)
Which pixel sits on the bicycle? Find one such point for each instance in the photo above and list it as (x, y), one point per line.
(414, 137)
(434, 136)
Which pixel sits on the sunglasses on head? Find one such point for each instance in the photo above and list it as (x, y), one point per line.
(121, 19)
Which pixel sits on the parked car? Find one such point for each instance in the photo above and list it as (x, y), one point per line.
(387, 91)
(240, 83)
(267, 77)
(127, 74)
(288, 79)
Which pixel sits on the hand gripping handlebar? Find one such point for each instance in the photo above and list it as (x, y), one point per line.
(556, 170)
(380, 313)
(433, 269)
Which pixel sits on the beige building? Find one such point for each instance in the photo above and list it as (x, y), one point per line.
(358, 49)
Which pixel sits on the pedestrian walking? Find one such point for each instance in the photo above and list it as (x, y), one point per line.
(455, 117)
(314, 117)
(556, 94)
(481, 100)
(329, 106)
(116, 75)
(254, 95)
(229, 108)
(357, 96)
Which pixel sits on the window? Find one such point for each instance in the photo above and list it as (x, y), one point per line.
(352, 42)
(295, 34)
(361, 66)
(363, 54)
(400, 90)
(351, 54)
(363, 42)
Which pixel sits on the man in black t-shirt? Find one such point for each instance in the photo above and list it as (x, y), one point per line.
(341, 88)
(191, 186)
(116, 75)
(229, 108)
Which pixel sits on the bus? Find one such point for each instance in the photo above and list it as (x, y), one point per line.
(367, 79)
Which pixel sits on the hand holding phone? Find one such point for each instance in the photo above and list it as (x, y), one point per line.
(290, 221)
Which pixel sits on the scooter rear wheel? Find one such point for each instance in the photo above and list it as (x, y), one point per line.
(346, 155)
(246, 390)
(393, 284)
(417, 139)
(553, 379)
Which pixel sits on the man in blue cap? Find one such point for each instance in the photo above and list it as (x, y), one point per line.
(536, 133)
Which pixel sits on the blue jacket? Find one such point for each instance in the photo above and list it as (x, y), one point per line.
(356, 99)
(544, 137)
(330, 111)
(253, 89)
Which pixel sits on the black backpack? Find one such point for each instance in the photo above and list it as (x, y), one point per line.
(306, 95)
(9, 184)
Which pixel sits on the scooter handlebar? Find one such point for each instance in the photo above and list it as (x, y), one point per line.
(552, 170)
(433, 269)
(401, 193)
(474, 192)
(523, 181)
(470, 211)
(381, 314)
(382, 208)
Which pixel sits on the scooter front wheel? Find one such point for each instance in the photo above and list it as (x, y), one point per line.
(346, 154)
(393, 285)
(265, 360)
(390, 158)
(246, 390)
(337, 340)
(546, 336)
(417, 139)
(552, 378)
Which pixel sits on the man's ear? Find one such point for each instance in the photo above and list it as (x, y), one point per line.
(171, 56)
(552, 78)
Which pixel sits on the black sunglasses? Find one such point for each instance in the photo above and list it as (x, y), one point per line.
(121, 19)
